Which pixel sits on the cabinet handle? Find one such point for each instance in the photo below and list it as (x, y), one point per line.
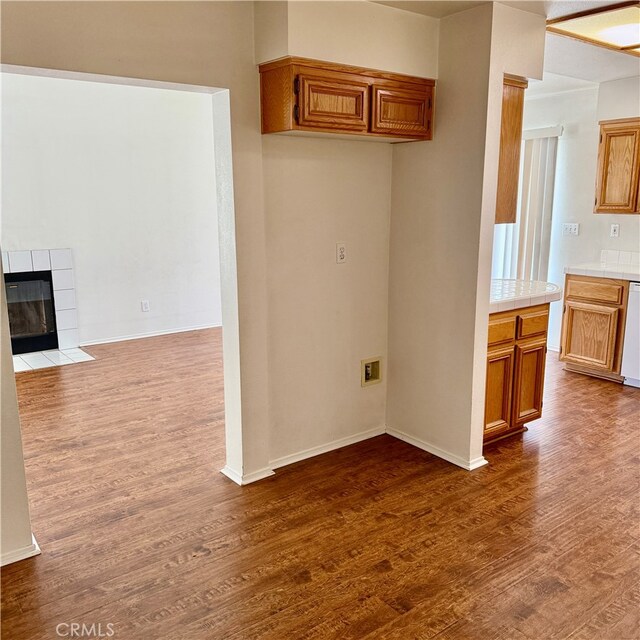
(296, 113)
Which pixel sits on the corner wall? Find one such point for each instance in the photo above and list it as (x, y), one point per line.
(443, 209)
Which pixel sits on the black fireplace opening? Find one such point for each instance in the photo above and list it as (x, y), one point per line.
(32, 316)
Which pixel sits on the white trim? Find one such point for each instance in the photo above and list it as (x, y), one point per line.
(546, 132)
(96, 77)
(21, 554)
(469, 465)
(150, 334)
(554, 348)
(246, 479)
(325, 448)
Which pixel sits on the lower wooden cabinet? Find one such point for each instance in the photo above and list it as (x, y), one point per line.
(528, 382)
(515, 370)
(593, 325)
(497, 408)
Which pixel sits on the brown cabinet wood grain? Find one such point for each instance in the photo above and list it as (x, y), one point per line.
(510, 144)
(515, 370)
(618, 174)
(593, 325)
(528, 382)
(401, 111)
(302, 95)
(330, 102)
(497, 408)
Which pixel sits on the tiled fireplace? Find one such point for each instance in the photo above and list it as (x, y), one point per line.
(42, 299)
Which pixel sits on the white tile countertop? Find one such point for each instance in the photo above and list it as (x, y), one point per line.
(621, 265)
(517, 294)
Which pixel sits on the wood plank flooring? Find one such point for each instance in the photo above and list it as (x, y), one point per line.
(378, 540)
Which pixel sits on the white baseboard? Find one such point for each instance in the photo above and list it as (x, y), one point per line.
(248, 478)
(150, 334)
(20, 554)
(469, 465)
(325, 448)
(554, 348)
(242, 480)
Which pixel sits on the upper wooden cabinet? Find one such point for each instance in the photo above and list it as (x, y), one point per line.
(298, 94)
(510, 144)
(618, 177)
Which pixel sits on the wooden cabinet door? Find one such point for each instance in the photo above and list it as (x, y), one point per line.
(589, 333)
(497, 407)
(618, 167)
(332, 102)
(401, 112)
(528, 382)
(510, 145)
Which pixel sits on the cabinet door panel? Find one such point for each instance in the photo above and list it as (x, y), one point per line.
(510, 144)
(497, 408)
(401, 111)
(618, 168)
(589, 335)
(528, 382)
(333, 103)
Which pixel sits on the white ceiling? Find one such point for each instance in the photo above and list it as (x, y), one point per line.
(577, 59)
(553, 83)
(563, 56)
(549, 8)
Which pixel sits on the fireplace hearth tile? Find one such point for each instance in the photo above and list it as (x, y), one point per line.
(20, 365)
(41, 260)
(57, 357)
(37, 360)
(67, 339)
(77, 355)
(65, 299)
(20, 261)
(62, 279)
(61, 259)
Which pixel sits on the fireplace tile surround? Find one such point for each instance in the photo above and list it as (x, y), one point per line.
(60, 263)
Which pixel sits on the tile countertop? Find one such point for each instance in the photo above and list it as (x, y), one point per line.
(516, 294)
(621, 265)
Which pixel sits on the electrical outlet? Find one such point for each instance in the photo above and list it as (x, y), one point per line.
(615, 231)
(341, 252)
(144, 305)
(570, 228)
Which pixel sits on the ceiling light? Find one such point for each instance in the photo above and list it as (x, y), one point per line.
(615, 27)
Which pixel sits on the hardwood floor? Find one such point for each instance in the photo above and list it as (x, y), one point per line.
(377, 540)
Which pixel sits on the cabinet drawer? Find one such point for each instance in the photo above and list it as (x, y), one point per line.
(502, 330)
(332, 103)
(533, 324)
(596, 290)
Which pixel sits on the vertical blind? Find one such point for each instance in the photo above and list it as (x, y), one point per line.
(521, 250)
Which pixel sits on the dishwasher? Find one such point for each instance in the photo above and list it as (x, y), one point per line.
(631, 351)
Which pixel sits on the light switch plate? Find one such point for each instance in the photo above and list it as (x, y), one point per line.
(615, 231)
(570, 228)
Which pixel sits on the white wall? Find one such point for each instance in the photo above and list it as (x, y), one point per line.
(357, 33)
(124, 176)
(325, 317)
(579, 112)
